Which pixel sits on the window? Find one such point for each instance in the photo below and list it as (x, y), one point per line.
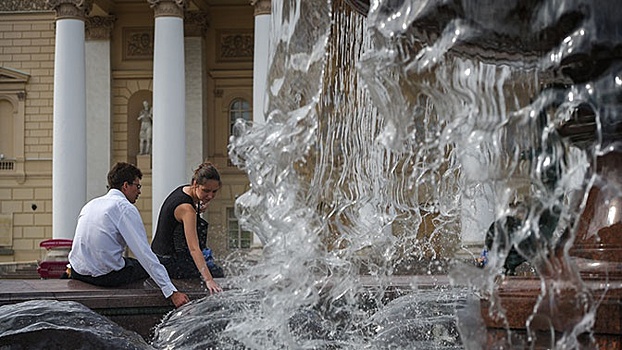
(238, 109)
(7, 143)
(12, 122)
(238, 238)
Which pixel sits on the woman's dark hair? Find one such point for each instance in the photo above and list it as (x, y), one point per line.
(123, 172)
(206, 171)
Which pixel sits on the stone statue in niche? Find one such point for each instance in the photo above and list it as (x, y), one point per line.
(146, 128)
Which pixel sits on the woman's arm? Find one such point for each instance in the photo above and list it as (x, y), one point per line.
(188, 216)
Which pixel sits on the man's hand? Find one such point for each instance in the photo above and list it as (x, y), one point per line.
(179, 299)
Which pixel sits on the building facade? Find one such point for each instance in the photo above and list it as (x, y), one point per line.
(74, 77)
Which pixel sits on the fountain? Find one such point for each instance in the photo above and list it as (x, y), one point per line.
(396, 133)
(401, 122)
(49, 324)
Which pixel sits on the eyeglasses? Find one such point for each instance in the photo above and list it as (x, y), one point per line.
(138, 186)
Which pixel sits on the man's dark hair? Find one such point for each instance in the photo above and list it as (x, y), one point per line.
(123, 172)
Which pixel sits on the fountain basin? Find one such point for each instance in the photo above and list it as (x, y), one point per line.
(140, 306)
(421, 306)
(136, 307)
(520, 294)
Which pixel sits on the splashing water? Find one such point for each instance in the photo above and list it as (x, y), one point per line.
(392, 142)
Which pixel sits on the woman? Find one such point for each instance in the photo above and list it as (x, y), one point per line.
(176, 241)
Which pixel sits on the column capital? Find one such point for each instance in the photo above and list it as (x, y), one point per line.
(262, 7)
(99, 27)
(196, 23)
(70, 9)
(169, 8)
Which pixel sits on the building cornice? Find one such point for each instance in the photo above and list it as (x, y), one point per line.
(23, 6)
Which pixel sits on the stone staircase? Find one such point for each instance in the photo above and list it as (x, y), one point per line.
(19, 270)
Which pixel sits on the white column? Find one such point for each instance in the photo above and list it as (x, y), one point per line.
(261, 65)
(478, 200)
(169, 108)
(194, 104)
(261, 57)
(98, 105)
(69, 119)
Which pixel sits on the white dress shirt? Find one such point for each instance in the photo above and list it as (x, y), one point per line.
(107, 225)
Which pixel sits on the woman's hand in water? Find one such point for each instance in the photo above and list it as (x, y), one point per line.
(213, 286)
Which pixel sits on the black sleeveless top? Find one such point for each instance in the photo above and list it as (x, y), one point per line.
(169, 232)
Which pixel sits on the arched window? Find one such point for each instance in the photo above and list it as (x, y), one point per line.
(12, 122)
(239, 109)
(7, 143)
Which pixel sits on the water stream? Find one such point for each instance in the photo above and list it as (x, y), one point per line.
(394, 140)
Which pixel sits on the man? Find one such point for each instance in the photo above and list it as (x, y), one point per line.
(106, 226)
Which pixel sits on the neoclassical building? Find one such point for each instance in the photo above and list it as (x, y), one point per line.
(74, 77)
